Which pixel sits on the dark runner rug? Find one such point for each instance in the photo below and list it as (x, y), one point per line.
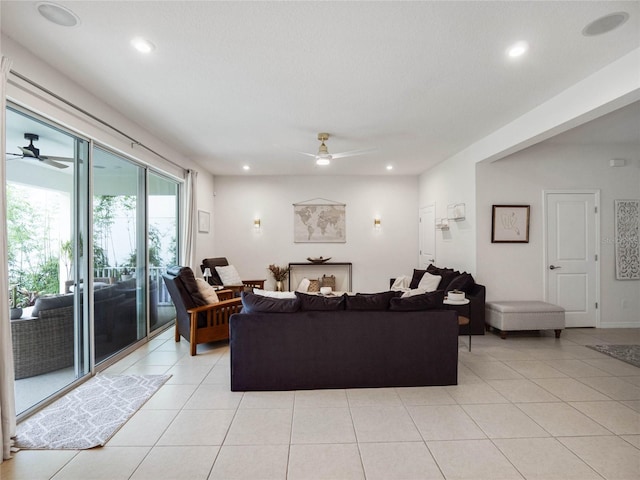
(626, 353)
(89, 415)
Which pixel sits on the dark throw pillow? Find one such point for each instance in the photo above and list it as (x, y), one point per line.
(252, 303)
(447, 274)
(415, 303)
(463, 282)
(320, 302)
(417, 276)
(370, 301)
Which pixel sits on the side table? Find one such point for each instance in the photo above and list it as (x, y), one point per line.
(462, 307)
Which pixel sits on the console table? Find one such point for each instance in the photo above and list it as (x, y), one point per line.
(347, 265)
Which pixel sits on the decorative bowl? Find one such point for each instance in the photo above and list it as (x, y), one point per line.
(318, 260)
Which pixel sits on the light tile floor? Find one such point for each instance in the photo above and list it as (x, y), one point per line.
(529, 407)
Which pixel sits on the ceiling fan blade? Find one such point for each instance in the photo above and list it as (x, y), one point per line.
(57, 159)
(52, 163)
(353, 153)
(27, 153)
(314, 155)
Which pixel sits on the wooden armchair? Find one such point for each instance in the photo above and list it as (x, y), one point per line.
(197, 321)
(215, 280)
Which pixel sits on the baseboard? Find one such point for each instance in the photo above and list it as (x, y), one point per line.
(620, 325)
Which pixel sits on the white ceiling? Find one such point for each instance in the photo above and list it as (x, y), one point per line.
(235, 83)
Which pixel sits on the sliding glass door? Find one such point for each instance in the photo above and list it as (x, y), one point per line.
(119, 253)
(163, 206)
(46, 191)
(90, 233)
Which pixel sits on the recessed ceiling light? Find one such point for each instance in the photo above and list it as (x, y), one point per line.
(518, 49)
(58, 14)
(605, 24)
(246, 167)
(143, 45)
(389, 167)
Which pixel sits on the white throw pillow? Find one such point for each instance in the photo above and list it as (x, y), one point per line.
(304, 285)
(207, 291)
(272, 294)
(429, 282)
(229, 275)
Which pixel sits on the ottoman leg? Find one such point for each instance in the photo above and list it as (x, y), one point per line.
(558, 332)
(503, 334)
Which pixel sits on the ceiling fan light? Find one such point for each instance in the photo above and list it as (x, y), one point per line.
(323, 161)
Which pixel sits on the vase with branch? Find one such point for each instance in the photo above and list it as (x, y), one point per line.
(280, 275)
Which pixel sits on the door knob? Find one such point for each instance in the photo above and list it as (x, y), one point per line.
(553, 267)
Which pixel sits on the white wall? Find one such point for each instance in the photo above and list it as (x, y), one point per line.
(516, 271)
(451, 182)
(376, 255)
(31, 98)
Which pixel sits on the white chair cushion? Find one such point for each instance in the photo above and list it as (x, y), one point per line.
(207, 291)
(229, 275)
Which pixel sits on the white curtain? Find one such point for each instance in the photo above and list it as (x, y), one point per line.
(7, 380)
(188, 253)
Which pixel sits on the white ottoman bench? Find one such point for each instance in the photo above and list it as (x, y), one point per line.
(523, 315)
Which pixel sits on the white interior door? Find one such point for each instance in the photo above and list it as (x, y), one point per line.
(572, 255)
(427, 236)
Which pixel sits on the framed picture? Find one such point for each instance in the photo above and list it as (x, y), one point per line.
(627, 239)
(510, 224)
(319, 223)
(203, 221)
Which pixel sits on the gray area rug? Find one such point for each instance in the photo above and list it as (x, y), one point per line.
(89, 415)
(626, 353)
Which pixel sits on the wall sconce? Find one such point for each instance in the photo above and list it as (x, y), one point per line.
(256, 224)
(206, 274)
(376, 223)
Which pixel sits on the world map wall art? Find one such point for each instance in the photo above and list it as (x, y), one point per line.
(319, 222)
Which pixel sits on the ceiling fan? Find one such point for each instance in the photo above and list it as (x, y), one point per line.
(323, 157)
(30, 151)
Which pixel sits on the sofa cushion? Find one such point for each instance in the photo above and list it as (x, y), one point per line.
(370, 301)
(320, 302)
(463, 282)
(447, 275)
(52, 302)
(414, 303)
(253, 303)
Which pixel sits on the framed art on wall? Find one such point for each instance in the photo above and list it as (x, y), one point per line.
(627, 239)
(510, 224)
(203, 221)
(315, 222)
